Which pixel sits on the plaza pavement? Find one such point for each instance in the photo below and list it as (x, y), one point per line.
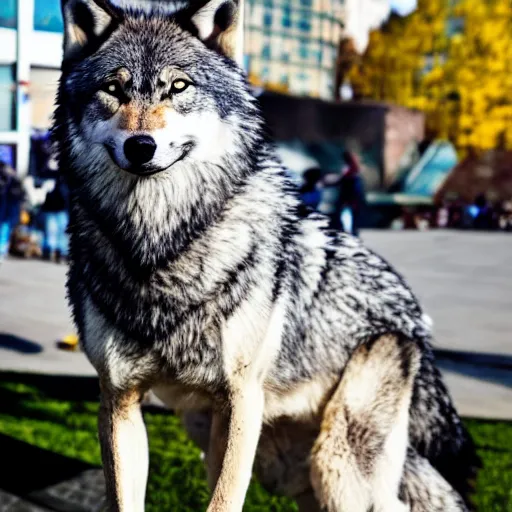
(463, 279)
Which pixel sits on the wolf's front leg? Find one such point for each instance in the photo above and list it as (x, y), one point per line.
(123, 380)
(124, 447)
(243, 432)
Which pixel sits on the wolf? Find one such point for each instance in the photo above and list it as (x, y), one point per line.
(195, 272)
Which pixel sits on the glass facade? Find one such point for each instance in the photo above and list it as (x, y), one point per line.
(47, 16)
(8, 16)
(16, 119)
(9, 20)
(292, 44)
(7, 98)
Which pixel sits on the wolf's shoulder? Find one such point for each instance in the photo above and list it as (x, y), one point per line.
(354, 269)
(358, 291)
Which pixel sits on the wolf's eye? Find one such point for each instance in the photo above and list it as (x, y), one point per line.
(179, 85)
(114, 89)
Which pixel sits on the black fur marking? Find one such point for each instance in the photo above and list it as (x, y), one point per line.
(365, 441)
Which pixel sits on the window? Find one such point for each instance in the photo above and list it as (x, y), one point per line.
(286, 21)
(7, 98)
(303, 77)
(304, 22)
(267, 18)
(303, 50)
(315, 53)
(265, 52)
(42, 90)
(8, 13)
(247, 63)
(47, 16)
(7, 154)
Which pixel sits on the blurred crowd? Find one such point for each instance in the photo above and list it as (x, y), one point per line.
(34, 211)
(480, 214)
(341, 196)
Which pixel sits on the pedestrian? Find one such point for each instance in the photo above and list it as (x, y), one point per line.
(351, 199)
(54, 214)
(505, 216)
(442, 216)
(483, 210)
(11, 197)
(310, 193)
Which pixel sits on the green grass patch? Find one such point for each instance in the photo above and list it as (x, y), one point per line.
(59, 415)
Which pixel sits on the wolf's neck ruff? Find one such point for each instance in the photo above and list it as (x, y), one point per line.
(151, 221)
(157, 250)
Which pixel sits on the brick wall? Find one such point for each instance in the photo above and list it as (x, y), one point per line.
(378, 132)
(403, 127)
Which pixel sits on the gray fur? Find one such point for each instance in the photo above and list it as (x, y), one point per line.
(161, 263)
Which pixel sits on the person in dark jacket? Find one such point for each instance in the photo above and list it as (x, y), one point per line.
(54, 214)
(11, 197)
(310, 194)
(351, 199)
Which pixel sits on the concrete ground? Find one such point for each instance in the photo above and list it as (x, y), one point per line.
(464, 281)
(33, 316)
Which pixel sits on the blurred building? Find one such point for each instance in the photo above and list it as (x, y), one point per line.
(291, 45)
(30, 57)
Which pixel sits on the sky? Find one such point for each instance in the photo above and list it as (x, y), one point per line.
(403, 6)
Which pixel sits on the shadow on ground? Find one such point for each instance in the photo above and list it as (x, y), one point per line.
(31, 474)
(17, 344)
(63, 387)
(495, 368)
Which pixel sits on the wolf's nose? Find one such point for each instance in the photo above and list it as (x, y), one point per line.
(139, 149)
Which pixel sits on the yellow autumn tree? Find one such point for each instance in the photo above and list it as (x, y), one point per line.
(453, 60)
(478, 75)
(396, 55)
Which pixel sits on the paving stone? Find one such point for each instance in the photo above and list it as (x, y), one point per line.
(11, 503)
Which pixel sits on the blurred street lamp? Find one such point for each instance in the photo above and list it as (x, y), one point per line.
(346, 92)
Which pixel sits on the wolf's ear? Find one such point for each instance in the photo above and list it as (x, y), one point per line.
(219, 23)
(86, 22)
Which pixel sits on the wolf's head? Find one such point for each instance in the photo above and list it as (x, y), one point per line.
(156, 127)
(146, 86)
